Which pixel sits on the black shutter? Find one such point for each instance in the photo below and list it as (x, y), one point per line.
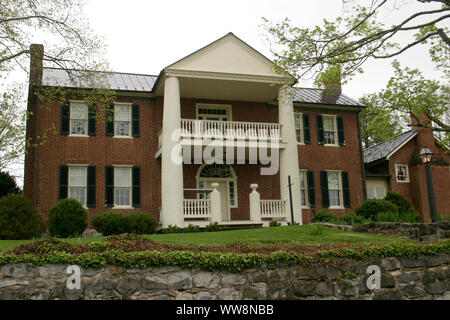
(136, 180)
(346, 189)
(311, 191)
(92, 121)
(306, 129)
(91, 187)
(63, 182)
(109, 187)
(320, 133)
(340, 129)
(110, 120)
(135, 117)
(65, 118)
(324, 186)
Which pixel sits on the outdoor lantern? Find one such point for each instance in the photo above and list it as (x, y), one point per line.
(425, 154)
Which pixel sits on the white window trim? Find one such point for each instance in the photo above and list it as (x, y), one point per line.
(341, 191)
(226, 107)
(130, 134)
(407, 172)
(302, 131)
(336, 142)
(77, 135)
(70, 166)
(131, 188)
(307, 205)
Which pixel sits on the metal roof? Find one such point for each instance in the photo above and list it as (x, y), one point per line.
(383, 149)
(321, 96)
(115, 80)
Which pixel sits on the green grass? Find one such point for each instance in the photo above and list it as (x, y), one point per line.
(299, 234)
(306, 234)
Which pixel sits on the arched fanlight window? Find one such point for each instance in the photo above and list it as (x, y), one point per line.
(216, 170)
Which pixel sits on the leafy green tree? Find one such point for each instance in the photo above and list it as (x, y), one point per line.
(352, 39)
(7, 184)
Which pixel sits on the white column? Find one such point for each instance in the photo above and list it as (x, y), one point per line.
(171, 171)
(289, 156)
(255, 204)
(215, 203)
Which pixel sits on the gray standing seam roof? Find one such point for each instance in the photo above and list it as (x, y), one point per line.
(383, 149)
(145, 83)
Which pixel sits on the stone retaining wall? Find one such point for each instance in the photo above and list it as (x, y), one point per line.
(416, 231)
(425, 277)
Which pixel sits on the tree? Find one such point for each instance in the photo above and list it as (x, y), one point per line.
(348, 42)
(70, 45)
(7, 184)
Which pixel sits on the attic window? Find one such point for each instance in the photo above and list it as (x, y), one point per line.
(401, 172)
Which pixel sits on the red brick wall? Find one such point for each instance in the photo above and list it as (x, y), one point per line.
(318, 158)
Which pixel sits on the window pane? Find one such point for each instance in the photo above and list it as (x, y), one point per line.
(231, 191)
(122, 177)
(78, 126)
(333, 180)
(329, 137)
(78, 111)
(78, 194)
(370, 193)
(77, 177)
(334, 196)
(402, 173)
(328, 123)
(302, 180)
(380, 193)
(122, 196)
(122, 113)
(122, 128)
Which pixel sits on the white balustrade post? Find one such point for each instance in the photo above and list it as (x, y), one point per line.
(215, 203)
(255, 204)
(171, 171)
(289, 157)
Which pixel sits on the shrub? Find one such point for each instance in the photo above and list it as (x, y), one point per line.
(443, 217)
(19, 219)
(172, 229)
(110, 223)
(67, 219)
(141, 223)
(399, 200)
(398, 216)
(191, 228)
(213, 227)
(370, 208)
(351, 219)
(8, 184)
(274, 223)
(324, 216)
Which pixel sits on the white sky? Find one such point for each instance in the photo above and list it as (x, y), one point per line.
(146, 36)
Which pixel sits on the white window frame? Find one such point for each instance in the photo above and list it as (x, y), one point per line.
(124, 104)
(130, 206)
(341, 191)
(299, 116)
(305, 172)
(71, 102)
(335, 144)
(226, 107)
(407, 173)
(70, 167)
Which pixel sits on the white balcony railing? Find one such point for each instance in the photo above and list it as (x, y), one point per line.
(196, 208)
(273, 209)
(230, 129)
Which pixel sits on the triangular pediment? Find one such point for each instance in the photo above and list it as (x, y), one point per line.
(228, 54)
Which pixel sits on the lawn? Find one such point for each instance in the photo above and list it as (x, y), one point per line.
(306, 234)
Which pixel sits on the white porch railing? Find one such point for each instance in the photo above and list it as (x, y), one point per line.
(196, 208)
(273, 209)
(234, 129)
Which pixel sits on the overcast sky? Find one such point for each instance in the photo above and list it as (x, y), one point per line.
(146, 36)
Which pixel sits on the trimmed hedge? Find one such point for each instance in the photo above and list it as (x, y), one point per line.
(115, 223)
(370, 208)
(223, 261)
(67, 219)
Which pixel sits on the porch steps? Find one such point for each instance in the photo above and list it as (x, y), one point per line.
(239, 224)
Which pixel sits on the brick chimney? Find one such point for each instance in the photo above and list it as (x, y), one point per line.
(424, 135)
(333, 87)
(36, 64)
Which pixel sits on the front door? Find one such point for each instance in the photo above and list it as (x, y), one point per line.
(224, 197)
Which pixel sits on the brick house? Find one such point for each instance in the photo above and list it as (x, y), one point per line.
(396, 166)
(226, 89)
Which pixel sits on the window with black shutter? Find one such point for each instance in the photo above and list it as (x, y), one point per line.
(65, 118)
(91, 187)
(109, 187)
(320, 132)
(324, 187)
(136, 185)
(63, 182)
(135, 118)
(92, 121)
(346, 189)
(340, 129)
(306, 129)
(311, 191)
(110, 120)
